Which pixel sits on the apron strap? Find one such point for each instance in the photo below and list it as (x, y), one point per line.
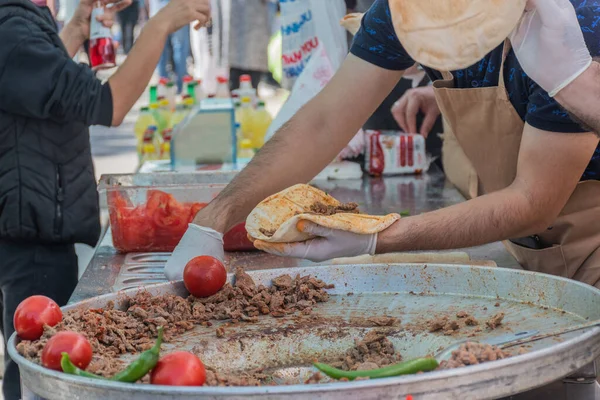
(501, 84)
(447, 75)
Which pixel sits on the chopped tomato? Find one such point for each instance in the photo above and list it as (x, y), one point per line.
(159, 224)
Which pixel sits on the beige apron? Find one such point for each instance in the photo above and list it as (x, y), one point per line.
(489, 130)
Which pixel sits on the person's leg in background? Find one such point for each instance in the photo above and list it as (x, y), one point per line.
(128, 19)
(164, 59)
(27, 270)
(181, 52)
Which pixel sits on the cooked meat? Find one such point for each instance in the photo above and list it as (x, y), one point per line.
(438, 324)
(323, 209)
(472, 353)
(495, 321)
(373, 351)
(383, 321)
(462, 314)
(471, 321)
(113, 332)
(267, 232)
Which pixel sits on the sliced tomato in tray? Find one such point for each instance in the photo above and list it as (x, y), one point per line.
(159, 224)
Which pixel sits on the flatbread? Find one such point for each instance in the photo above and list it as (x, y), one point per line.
(351, 22)
(280, 214)
(448, 35)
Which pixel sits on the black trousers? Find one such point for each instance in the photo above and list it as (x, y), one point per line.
(27, 270)
(128, 19)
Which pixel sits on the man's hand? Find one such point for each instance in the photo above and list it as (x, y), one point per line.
(197, 241)
(77, 30)
(178, 13)
(329, 244)
(406, 109)
(549, 44)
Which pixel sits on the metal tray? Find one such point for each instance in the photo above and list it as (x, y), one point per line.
(411, 292)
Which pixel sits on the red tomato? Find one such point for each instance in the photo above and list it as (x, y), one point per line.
(179, 369)
(33, 313)
(72, 343)
(237, 239)
(204, 276)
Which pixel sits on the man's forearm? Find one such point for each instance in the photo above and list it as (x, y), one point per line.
(581, 98)
(131, 79)
(72, 37)
(297, 153)
(498, 216)
(305, 145)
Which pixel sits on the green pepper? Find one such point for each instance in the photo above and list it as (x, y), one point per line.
(405, 213)
(69, 368)
(403, 368)
(134, 372)
(144, 364)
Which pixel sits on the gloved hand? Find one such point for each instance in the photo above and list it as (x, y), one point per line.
(330, 243)
(197, 241)
(549, 44)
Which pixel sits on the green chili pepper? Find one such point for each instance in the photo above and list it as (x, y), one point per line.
(69, 368)
(405, 213)
(404, 368)
(134, 372)
(144, 364)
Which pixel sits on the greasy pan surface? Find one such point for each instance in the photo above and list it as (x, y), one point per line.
(413, 293)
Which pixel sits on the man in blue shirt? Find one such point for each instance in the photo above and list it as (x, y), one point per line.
(529, 188)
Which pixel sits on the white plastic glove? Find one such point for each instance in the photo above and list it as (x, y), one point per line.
(330, 243)
(197, 241)
(549, 44)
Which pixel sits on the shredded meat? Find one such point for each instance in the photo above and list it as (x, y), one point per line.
(323, 209)
(383, 321)
(472, 353)
(114, 332)
(495, 321)
(373, 351)
(267, 232)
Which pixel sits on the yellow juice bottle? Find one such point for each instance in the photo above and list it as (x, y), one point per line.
(261, 120)
(245, 115)
(145, 119)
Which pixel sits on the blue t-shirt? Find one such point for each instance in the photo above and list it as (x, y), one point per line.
(377, 43)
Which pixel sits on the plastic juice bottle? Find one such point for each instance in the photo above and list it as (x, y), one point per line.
(165, 146)
(191, 92)
(166, 114)
(153, 94)
(102, 49)
(148, 146)
(246, 152)
(222, 88)
(162, 87)
(246, 89)
(157, 115)
(261, 120)
(171, 94)
(144, 120)
(245, 116)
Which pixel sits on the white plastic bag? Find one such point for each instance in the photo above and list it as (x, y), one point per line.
(317, 73)
(306, 24)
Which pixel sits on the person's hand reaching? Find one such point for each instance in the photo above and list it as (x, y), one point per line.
(328, 244)
(405, 110)
(197, 241)
(549, 44)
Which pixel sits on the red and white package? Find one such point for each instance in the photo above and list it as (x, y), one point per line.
(395, 153)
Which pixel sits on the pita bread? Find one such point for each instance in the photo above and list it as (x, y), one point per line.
(351, 22)
(281, 213)
(448, 35)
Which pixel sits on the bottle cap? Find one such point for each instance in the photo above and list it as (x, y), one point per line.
(164, 103)
(222, 79)
(154, 106)
(144, 109)
(187, 79)
(245, 78)
(246, 144)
